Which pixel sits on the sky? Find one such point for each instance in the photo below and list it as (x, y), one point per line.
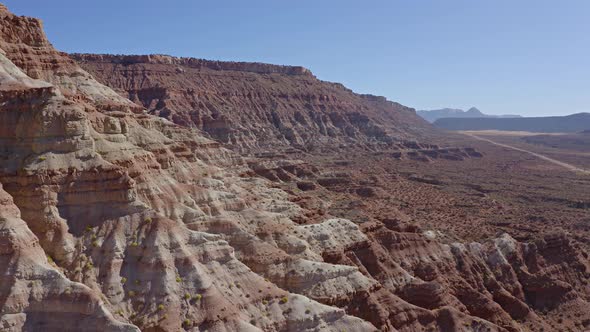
(504, 56)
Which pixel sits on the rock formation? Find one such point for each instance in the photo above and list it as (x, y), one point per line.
(277, 104)
(108, 192)
(35, 294)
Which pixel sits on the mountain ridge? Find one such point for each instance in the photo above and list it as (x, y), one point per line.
(256, 67)
(255, 109)
(433, 115)
(552, 124)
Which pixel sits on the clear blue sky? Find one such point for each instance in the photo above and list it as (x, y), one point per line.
(530, 57)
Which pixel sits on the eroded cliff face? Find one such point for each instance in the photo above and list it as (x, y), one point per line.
(114, 218)
(34, 294)
(108, 192)
(253, 105)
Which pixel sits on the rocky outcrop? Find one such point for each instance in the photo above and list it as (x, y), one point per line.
(24, 43)
(108, 191)
(34, 294)
(251, 67)
(250, 105)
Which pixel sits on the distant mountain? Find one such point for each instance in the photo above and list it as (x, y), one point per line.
(550, 124)
(473, 112)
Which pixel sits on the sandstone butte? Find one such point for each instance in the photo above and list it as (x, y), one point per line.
(151, 193)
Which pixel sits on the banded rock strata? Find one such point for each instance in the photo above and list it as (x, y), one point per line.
(255, 106)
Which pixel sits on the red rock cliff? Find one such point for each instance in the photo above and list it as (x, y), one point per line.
(252, 105)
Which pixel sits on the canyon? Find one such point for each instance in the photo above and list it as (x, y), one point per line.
(155, 193)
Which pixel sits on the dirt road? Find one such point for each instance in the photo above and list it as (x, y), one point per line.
(551, 160)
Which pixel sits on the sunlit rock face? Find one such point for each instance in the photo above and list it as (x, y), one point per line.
(107, 191)
(253, 105)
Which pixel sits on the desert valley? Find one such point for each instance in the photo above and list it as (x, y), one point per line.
(158, 193)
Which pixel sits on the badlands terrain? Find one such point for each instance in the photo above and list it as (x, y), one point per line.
(157, 193)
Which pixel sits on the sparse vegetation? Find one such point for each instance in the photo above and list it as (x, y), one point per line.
(178, 279)
(284, 300)
(161, 307)
(131, 293)
(123, 280)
